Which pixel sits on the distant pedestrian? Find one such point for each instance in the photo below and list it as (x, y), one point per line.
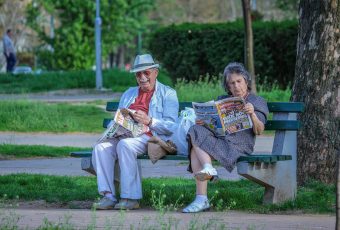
(9, 51)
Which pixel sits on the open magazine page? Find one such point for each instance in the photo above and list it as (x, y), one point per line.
(123, 123)
(109, 132)
(208, 113)
(233, 118)
(124, 118)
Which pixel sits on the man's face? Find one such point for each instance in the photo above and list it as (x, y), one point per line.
(147, 79)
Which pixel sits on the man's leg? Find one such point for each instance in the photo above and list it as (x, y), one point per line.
(127, 152)
(11, 62)
(8, 64)
(103, 159)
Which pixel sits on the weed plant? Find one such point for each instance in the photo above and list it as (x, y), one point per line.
(170, 193)
(26, 116)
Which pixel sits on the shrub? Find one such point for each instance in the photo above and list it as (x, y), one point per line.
(193, 50)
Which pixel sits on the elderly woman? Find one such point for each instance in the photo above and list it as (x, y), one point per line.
(204, 145)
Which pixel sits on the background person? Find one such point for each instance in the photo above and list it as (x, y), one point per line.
(9, 51)
(157, 106)
(205, 145)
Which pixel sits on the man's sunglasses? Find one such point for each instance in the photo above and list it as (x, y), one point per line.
(145, 73)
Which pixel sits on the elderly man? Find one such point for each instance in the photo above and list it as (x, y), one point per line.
(156, 105)
(9, 51)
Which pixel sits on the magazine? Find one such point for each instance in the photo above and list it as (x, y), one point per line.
(224, 116)
(123, 123)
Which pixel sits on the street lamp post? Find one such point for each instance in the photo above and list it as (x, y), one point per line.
(98, 22)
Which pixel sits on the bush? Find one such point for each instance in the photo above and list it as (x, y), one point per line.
(193, 50)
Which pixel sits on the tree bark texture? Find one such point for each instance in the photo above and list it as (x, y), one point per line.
(249, 42)
(337, 223)
(317, 85)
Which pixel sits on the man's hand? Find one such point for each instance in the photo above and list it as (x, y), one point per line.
(141, 117)
(249, 108)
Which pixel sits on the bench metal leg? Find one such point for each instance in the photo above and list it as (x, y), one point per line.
(277, 178)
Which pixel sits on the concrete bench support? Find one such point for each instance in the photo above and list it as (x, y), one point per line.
(279, 178)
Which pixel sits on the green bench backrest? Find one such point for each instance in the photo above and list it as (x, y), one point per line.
(274, 107)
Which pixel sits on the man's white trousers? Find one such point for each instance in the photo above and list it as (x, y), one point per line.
(105, 155)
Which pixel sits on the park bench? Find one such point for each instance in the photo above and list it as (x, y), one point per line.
(276, 171)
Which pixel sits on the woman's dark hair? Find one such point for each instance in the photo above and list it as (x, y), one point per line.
(238, 68)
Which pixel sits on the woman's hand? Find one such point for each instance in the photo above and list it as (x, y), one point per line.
(249, 108)
(232, 129)
(141, 117)
(199, 122)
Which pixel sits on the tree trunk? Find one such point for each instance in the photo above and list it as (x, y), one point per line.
(337, 224)
(317, 85)
(121, 57)
(248, 44)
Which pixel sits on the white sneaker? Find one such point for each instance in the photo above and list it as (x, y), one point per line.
(197, 206)
(207, 174)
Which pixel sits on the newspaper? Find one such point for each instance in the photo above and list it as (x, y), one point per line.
(224, 116)
(123, 123)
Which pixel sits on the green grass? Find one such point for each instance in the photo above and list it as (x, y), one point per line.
(236, 195)
(26, 116)
(115, 79)
(204, 90)
(25, 151)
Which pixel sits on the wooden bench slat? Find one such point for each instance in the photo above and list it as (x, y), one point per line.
(112, 106)
(106, 122)
(265, 158)
(252, 158)
(293, 107)
(81, 154)
(282, 125)
(270, 125)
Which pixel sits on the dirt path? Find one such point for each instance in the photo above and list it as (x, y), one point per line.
(148, 219)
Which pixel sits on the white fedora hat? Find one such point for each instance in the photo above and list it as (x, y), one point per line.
(143, 62)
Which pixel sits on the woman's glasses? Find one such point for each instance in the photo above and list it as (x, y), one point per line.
(145, 73)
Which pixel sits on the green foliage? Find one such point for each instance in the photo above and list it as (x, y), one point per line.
(115, 79)
(288, 5)
(206, 90)
(73, 45)
(193, 50)
(24, 151)
(315, 197)
(26, 116)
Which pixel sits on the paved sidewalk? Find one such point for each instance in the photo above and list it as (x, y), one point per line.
(147, 219)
